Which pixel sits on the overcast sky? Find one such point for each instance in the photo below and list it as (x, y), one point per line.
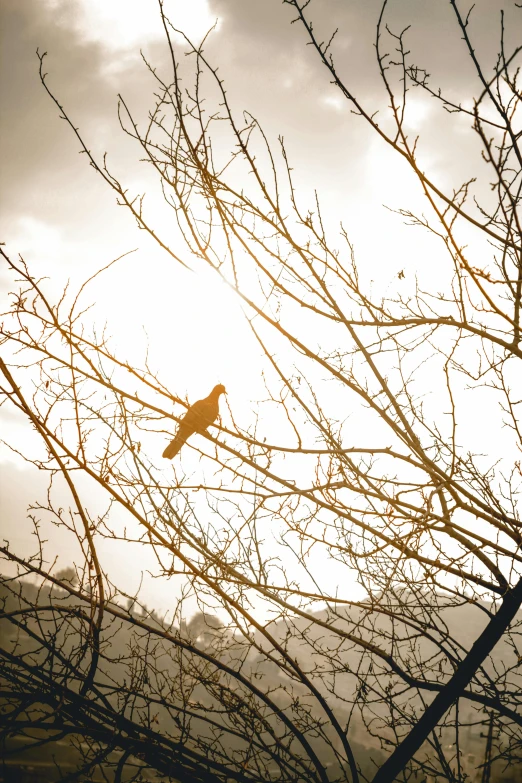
(64, 220)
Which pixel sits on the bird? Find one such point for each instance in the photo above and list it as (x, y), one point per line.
(197, 419)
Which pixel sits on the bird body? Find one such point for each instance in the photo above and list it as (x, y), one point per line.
(197, 419)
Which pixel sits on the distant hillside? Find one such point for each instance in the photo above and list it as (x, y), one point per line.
(309, 642)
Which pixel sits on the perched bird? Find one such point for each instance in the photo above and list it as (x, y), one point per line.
(198, 417)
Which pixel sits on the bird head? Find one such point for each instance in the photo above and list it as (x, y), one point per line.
(219, 389)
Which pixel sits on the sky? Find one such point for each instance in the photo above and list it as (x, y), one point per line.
(66, 224)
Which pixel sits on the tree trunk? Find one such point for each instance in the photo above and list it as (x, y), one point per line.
(439, 706)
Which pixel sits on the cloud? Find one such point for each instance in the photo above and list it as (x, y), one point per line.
(34, 150)
(45, 182)
(118, 25)
(122, 25)
(94, 53)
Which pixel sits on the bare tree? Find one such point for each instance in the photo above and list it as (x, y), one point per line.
(278, 678)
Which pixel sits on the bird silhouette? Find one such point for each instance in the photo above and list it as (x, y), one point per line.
(198, 417)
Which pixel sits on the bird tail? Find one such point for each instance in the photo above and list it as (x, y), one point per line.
(174, 447)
